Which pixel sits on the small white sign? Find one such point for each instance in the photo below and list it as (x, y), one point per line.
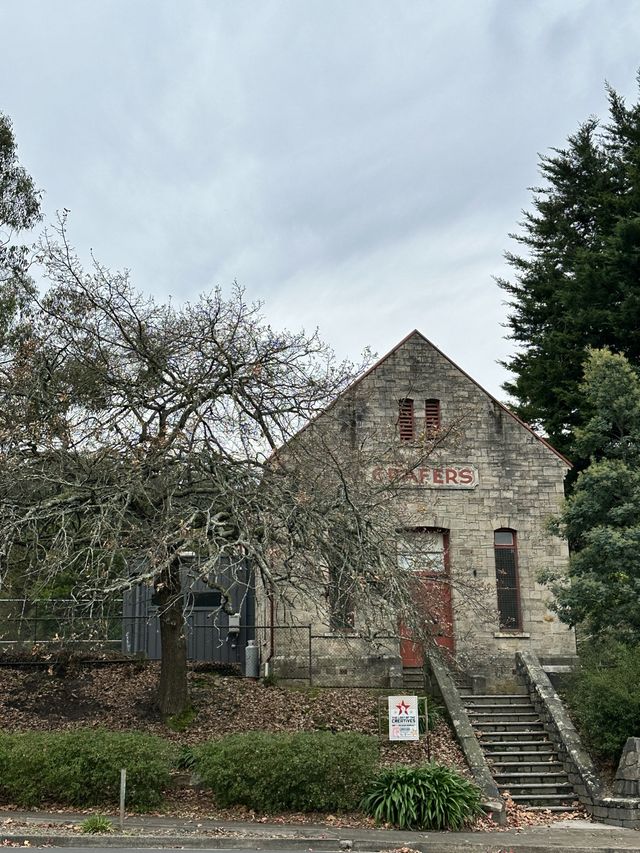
(403, 718)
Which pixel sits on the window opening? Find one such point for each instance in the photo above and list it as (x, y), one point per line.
(507, 580)
(406, 423)
(422, 550)
(432, 415)
(341, 606)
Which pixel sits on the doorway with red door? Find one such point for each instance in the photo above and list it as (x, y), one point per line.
(423, 552)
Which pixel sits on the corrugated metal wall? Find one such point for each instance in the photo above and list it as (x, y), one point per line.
(210, 636)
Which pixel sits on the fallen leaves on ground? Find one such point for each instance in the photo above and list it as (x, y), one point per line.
(120, 697)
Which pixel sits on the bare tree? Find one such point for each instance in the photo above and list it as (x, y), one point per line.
(132, 432)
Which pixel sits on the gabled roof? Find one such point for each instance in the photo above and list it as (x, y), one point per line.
(416, 333)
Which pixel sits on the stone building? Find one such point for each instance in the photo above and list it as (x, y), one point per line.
(482, 497)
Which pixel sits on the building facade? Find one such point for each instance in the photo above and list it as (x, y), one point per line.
(480, 500)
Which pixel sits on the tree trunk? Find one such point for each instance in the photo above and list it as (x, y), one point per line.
(173, 694)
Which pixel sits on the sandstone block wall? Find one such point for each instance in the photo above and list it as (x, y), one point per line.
(519, 486)
(517, 483)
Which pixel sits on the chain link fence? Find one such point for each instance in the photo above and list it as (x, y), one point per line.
(288, 653)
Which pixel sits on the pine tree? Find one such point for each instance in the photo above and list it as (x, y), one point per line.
(577, 283)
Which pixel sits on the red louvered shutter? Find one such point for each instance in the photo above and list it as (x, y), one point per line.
(406, 424)
(432, 415)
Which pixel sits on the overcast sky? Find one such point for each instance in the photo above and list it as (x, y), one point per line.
(356, 164)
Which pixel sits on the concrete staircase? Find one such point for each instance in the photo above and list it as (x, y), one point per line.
(413, 682)
(522, 759)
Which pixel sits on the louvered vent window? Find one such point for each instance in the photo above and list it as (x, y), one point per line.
(507, 584)
(406, 423)
(432, 415)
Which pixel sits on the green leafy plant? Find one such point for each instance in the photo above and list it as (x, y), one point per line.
(303, 771)
(427, 797)
(434, 714)
(82, 768)
(95, 824)
(186, 759)
(604, 698)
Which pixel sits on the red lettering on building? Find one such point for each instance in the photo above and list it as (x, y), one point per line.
(451, 476)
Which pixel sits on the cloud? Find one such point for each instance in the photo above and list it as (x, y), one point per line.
(358, 166)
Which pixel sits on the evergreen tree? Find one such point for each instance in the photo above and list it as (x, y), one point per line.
(19, 211)
(601, 518)
(577, 283)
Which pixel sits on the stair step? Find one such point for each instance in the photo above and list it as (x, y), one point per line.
(517, 737)
(513, 707)
(541, 788)
(483, 711)
(539, 799)
(522, 758)
(499, 698)
(546, 746)
(519, 768)
(536, 724)
(515, 753)
(568, 808)
(558, 774)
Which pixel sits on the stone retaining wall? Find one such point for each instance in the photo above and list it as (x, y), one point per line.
(617, 811)
(444, 685)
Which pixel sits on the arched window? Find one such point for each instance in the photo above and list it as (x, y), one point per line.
(507, 581)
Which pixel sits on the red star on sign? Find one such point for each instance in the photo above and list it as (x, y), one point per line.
(403, 708)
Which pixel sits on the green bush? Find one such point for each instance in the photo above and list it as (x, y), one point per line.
(604, 697)
(304, 771)
(82, 768)
(427, 797)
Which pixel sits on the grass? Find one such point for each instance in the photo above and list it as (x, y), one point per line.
(181, 722)
(95, 824)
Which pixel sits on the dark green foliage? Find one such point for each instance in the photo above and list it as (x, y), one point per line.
(575, 284)
(186, 758)
(82, 768)
(435, 712)
(601, 518)
(428, 797)
(19, 210)
(604, 697)
(304, 771)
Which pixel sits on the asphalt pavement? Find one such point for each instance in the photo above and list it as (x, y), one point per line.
(144, 832)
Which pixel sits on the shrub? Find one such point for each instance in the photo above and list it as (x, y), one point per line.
(427, 797)
(304, 771)
(604, 697)
(82, 768)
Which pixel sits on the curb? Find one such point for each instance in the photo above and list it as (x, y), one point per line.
(304, 845)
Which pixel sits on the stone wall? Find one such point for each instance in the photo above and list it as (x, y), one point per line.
(614, 810)
(443, 685)
(519, 486)
(627, 781)
(516, 483)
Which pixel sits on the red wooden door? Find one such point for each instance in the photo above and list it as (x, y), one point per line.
(428, 560)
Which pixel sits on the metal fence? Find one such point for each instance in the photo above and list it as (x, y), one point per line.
(292, 653)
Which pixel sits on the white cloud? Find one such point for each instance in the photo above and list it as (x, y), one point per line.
(357, 165)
